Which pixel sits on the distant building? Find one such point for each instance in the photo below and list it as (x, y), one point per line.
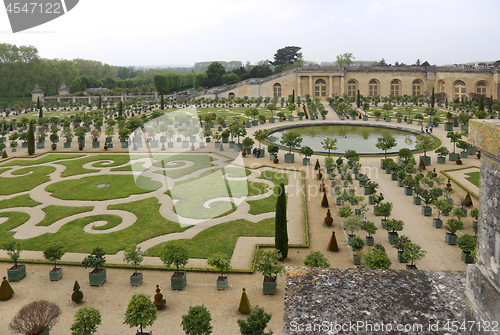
(87, 90)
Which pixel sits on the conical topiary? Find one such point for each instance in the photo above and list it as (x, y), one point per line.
(244, 304)
(332, 245)
(77, 295)
(317, 166)
(421, 165)
(328, 219)
(159, 301)
(4, 155)
(6, 290)
(468, 200)
(324, 202)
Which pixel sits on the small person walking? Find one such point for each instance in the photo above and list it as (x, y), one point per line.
(430, 129)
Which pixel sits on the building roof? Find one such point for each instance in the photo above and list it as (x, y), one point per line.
(326, 297)
(37, 90)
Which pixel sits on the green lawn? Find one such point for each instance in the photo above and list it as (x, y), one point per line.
(220, 238)
(268, 204)
(55, 213)
(20, 201)
(75, 167)
(45, 159)
(120, 186)
(26, 180)
(473, 177)
(149, 224)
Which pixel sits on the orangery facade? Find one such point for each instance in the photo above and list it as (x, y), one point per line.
(451, 82)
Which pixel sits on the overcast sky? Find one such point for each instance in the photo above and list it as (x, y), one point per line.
(161, 32)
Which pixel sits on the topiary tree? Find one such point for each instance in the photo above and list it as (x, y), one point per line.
(316, 259)
(174, 254)
(384, 209)
(53, 253)
(454, 138)
(453, 225)
(141, 312)
(376, 259)
(352, 224)
(324, 201)
(442, 151)
(256, 323)
(35, 318)
(423, 142)
(467, 243)
(291, 140)
(281, 230)
(394, 225)
(197, 321)
(86, 321)
(77, 295)
(329, 144)
(244, 307)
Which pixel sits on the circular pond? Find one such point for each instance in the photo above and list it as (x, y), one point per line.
(356, 137)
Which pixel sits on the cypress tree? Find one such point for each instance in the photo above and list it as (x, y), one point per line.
(31, 139)
(293, 96)
(99, 104)
(162, 103)
(358, 100)
(120, 108)
(433, 98)
(481, 104)
(39, 106)
(281, 233)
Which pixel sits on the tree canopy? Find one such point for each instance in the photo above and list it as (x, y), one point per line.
(287, 56)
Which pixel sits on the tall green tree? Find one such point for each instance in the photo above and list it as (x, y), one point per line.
(162, 103)
(31, 139)
(345, 59)
(287, 56)
(386, 142)
(215, 70)
(281, 230)
(433, 98)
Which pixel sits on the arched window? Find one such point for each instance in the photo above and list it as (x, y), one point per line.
(440, 86)
(373, 87)
(277, 90)
(320, 88)
(481, 88)
(460, 89)
(417, 88)
(395, 88)
(351, 88)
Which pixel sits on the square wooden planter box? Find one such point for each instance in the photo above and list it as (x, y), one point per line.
(450, 239)
(401, 259)
(417, 201)
(16, 274)
(269, 287)
(56, 274)
(178, 282)
(97, 279)
(467, 258)
(222, 283)
(427, 211)
(136, 279)
(437, 223)
(289, 158)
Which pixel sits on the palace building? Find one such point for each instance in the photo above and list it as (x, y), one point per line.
(324, 82)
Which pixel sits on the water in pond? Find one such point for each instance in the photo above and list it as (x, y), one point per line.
(359, 138)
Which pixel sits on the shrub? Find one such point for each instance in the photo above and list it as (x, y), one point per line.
(77, 295)
(281, 231)
(267, 263)
(357, 244)
(376, 259)
(197, 321)
(96, 259)
(256, 323)
(244, 307)
(159, 301)
(36, 317)
(413, 252)
(220, 262)
(467, 243)
(174, 254)
(53, 253)
(6, 290)
(86, 321)
(345, 211)
(316, 259)
(453, 225)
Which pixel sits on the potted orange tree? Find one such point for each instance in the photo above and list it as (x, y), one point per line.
(54, 253)
(222, 263)
(267, 263)
(467, 243)
(96, 260)
(17, 271)
(177, 255)
(134, 255)
(413, 252)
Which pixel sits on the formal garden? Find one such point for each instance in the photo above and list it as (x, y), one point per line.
(177, 189)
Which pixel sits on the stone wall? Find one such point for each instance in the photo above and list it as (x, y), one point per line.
(483, 278)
